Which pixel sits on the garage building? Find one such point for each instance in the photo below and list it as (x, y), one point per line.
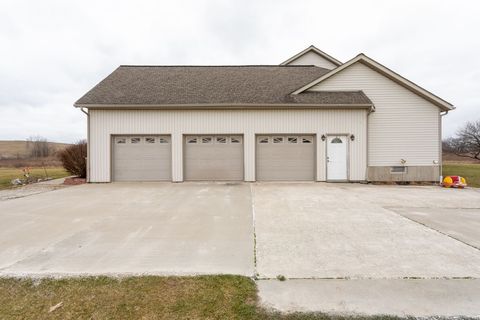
(311, 118)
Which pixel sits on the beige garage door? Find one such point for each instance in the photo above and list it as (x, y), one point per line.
(213, 157)
(142, 158)
(285, 157)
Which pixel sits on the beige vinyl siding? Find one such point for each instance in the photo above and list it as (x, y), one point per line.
(404, 125)
(311, 58)
(177, 123)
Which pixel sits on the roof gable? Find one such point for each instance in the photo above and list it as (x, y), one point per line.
(313, 56)
(362, 58)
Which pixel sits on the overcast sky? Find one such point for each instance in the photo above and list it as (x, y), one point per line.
(52, 52)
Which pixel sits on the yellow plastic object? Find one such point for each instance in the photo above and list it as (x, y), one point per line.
(454, 182)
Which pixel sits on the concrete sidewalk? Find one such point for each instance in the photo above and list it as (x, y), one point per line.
(418, 298)
(32, 189)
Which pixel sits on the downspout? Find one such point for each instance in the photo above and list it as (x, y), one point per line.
(444, 113)
(88, 143)
(367, 147)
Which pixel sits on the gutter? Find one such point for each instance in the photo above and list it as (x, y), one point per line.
(369, 106)
(443, 113)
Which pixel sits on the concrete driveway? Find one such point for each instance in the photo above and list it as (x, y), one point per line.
(356, 231)
(303, 230)
(133, 228)
(368, 250)
(345, 248)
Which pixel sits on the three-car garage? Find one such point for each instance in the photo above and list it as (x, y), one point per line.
(213, 157)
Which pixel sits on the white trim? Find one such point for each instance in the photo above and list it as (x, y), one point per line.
(315, 50)
(442, 104)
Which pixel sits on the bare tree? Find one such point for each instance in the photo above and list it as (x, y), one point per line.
(466, 143)
(38, 147)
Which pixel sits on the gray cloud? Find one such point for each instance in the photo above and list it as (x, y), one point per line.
(53, 51)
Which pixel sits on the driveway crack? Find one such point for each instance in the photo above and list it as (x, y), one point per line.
(431, 228)
(252, 197)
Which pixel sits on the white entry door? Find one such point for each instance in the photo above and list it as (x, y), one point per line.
(337, 158)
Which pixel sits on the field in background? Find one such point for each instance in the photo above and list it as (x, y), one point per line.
(452, 158)
(460, 166)
(16, 149)
(470, 171)
(8, 174)
(16, 153)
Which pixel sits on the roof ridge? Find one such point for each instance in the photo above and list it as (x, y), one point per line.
(217, 66)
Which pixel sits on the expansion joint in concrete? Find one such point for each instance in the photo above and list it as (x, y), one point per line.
(431, 228)
(252, 197)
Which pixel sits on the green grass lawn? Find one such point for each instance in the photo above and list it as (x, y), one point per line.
(7, 174)
(149, 297)
(469, 171)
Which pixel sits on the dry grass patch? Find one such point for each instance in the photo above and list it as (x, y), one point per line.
(149, 297)
(206, 297)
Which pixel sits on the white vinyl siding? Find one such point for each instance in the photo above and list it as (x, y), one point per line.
(177, 123)
(311, 58)
(404, 125)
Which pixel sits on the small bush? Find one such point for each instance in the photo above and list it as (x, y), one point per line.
(281, 277)
(73, 159)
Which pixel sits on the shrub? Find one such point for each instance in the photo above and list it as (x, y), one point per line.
(281, 277)
(73, 159)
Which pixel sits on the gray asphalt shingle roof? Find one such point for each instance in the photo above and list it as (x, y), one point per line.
(189, 85)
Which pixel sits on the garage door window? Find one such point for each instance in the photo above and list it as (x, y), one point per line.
(149, 140)
(135, 140)
(263, 140)
(207, 140)
(306, 140)
(121, 140)
(192, 140)
(235, 140)
(292, 140)
(278, 140)
(163, 140)
(221, 140)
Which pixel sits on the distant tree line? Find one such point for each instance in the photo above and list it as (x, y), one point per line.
(38, 147)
